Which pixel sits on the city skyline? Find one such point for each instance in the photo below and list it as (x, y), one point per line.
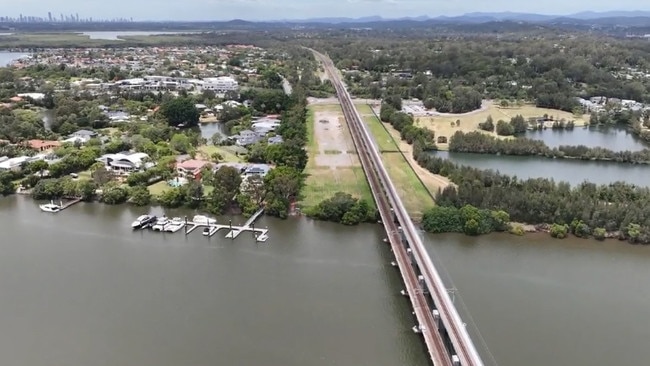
(207, 10)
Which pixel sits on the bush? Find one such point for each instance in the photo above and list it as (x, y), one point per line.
(559, 231)
(599, 233)
(516, 230)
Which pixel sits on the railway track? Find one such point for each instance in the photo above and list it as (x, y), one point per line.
(452, 331)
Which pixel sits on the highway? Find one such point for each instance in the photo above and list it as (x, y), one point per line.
(447, 340)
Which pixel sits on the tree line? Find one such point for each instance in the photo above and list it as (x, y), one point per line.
(481, 143)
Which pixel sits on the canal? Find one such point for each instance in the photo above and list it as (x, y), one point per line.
(81, 286)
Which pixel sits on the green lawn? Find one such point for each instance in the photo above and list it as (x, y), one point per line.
(414, 194)
(159, 188)
(227, 153)
(323, 182)
(382, 137)
(364, 109)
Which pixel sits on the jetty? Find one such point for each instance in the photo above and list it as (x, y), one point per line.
(233, 230)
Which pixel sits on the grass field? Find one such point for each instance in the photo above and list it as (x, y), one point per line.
(414, 194)
(442, 125)
(384, 140)
(324, 181)
(227, 152)
(364, 109)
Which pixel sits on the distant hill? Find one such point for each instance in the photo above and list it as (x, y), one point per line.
(478, 17)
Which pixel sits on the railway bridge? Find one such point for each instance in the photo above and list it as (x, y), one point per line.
(444, 332)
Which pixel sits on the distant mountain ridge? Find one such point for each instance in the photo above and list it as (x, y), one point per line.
(480, 17)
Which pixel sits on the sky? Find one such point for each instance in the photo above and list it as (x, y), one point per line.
(299, 9)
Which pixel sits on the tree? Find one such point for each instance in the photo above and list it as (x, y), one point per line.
(504, 103)
(180, 112)
(86, 189)
(102, 175)
(140, 196)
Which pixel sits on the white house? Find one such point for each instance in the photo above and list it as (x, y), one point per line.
(125, 163)
(220, 85)
(81, 136)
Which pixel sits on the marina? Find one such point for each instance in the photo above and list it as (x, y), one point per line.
(209, 225)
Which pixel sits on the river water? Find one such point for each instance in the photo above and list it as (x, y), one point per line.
(568, 170)
(81, 288)
(613, 138)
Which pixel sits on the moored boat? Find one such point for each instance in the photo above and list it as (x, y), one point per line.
(143, 221)
(50, 207)
(204, 220)
(160, 224)
(174, 225)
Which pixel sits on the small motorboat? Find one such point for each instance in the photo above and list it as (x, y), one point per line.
(143, 221)
(206, 231)
(50, 207)
(262, 237)
(204, 220)
(160, 224)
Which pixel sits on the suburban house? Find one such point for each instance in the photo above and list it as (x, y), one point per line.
(257, 169)
(81, 136)
(191, 168)
(125, 163)
(15, 164)
(43, 145)
(247, 137)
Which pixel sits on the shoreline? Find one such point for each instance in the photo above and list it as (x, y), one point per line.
(527, 229)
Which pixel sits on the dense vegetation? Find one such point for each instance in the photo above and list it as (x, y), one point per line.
(548, 70)
(593, 209)
(343, 208)
(467, 219)
(481, 143)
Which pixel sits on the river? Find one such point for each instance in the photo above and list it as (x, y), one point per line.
(111, 35)
(568, 170)
(81, 286)
(613, 138)
(7, 57)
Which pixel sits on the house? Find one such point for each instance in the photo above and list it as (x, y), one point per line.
(257, 169)
(81, 137)
(275, 140)
(239, 166)
(15, 164)
(247, 137)
(84, 134)
(43, 145)
(191, 168)
(125, 163)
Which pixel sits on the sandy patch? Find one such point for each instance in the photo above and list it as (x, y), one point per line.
(335, 147)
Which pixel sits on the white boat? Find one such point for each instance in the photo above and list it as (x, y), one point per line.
(160, 224)
(174, 225)
(262, 237)
(204, 220)
(50, 207)
(206, 231)
(142, 221)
